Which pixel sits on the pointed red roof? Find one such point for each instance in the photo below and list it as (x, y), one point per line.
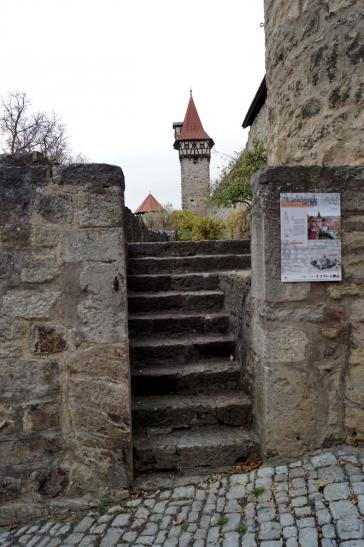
(149, 205)
(192, 127)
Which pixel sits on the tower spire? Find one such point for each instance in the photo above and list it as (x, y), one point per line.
(194, 150)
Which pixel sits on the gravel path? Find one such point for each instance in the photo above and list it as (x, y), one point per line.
(318, 500)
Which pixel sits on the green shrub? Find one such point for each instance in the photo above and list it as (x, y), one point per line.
(207, 228)
(233, 184)
(238, 223)
(186, 224)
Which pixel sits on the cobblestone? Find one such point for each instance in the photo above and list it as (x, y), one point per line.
(228, 511)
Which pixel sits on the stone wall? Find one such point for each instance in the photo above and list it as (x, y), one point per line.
(136, 230)
(259, 128)
(307, 339)
(315, 81)
(65, 427)
(236, 286)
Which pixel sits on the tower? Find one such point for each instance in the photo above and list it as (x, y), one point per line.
(194, 149)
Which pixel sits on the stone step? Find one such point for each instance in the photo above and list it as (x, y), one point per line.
(166, 324)
(185, 349)
(205, 447)
(174, 282)
(212, 375)
(231, 408)
(198, 263)
(187, 301)
(188, 248)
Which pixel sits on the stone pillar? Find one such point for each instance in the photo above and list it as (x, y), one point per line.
(307, 341)
(315, 81)
(65, 422)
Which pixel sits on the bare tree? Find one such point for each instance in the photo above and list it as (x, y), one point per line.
(23, 131)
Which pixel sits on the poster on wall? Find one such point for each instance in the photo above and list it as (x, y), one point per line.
(310, 237)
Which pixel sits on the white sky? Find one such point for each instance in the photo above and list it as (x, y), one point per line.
(118, 72)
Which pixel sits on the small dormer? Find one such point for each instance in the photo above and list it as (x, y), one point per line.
(177, 126)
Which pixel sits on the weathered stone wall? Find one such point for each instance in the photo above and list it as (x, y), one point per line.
(236, 286)
(195, 182)
(259, 128)
(65, 427)
(315, 81)
(136, 230)
(307, 339)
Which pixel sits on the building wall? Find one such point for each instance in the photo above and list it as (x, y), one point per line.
(195, 181)
(65, 426)
(306, 340)
(315, 81)
(258, 129)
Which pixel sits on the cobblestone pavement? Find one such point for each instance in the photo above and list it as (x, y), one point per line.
(316, 501)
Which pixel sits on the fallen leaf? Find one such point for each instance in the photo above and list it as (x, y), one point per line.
(177, 522)
(246, 466)
(321, 484)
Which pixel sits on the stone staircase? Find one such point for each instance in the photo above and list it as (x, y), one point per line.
(189, 409)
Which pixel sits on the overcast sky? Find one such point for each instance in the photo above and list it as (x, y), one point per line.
(118, 72)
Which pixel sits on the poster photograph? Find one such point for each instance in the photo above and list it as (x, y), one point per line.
(310, 237)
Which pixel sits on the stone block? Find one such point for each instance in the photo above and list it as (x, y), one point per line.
(85, 398)
(38, 270)
(110, 361)
(102, 313)
(23, 379)
(41, 416)
(354, 384)
(90, 175)
(94, 245)
(47, 339)
(342, 290)
(29, 304)
(101, 209)
(51, 482)
(32, 453)
(21, 512)
(285, 344)
(45, 236)
(10, 488)
(55, 208)
(12, 335)
(356, 356)
(287, 409)
(6, 419)
(354, 423)
(6, 264)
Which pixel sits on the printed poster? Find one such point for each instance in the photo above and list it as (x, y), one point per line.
(310, 237)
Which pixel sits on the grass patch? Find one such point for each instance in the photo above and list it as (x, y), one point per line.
(311, 503)
(242, 502)
(258, 491)
(185, 526)
(221, 521)
(241, 529)
(102, 507)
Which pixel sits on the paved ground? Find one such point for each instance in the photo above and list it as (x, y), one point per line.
(316, 501)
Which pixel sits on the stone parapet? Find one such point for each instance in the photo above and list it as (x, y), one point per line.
(65, 426)
(306, 340)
